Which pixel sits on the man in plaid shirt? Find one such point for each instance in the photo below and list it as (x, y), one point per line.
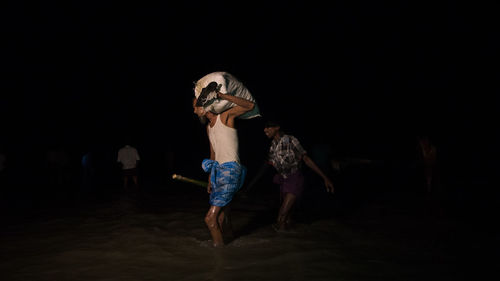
(286, 155)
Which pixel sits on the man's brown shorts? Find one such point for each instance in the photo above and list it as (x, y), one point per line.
(130, 172)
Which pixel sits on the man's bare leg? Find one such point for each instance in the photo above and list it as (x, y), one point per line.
(284, 212)
(225, 223)
(212, 222)
(125, 182)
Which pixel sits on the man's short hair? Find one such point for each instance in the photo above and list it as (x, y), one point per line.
(271, 123)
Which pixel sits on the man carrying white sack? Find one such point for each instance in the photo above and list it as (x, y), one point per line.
(224, 83)
(226, 174)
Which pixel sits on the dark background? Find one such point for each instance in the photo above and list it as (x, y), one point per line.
(367, 77)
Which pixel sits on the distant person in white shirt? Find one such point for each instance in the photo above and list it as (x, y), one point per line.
(128, 157)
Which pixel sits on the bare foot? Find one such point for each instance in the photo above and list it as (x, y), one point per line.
(210, 244)
(278, 228)
(218, 245)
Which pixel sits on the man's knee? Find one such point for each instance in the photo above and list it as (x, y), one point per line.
(211, 220)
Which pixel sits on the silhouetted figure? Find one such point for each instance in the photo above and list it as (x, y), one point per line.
(3, 165)
(428, 174)
(169, 161)
(4, 186)
(226, 174)
(286, 155)
(428, 159)
(129, 158)
(88, 173)
(57, 164)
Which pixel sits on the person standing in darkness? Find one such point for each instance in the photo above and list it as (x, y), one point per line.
(286, 155)
(129, 158)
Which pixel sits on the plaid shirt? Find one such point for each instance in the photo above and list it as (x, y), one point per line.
(286, 154)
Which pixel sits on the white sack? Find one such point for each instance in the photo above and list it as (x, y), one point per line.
(228, 85)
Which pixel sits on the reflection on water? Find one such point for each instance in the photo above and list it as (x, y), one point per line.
(164, 238)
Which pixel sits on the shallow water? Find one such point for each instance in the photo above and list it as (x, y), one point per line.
(162, 236)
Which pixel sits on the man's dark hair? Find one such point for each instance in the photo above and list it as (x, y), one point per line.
(271, 123)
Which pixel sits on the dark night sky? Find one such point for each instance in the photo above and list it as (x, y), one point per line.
(371, 73)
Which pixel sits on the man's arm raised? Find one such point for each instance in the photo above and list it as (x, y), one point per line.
(242, 107)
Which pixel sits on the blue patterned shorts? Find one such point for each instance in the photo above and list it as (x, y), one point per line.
(226, 180)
